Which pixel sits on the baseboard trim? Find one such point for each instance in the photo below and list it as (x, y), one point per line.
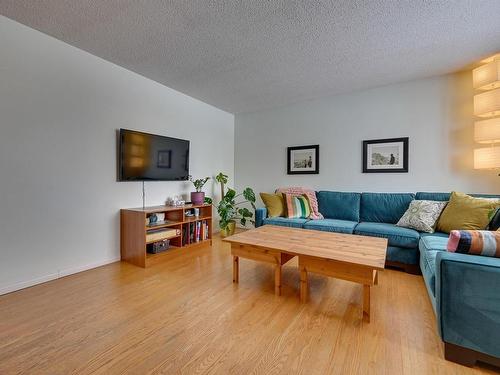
(61, 273)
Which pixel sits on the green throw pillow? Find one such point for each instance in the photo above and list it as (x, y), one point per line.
(464, 212)
(274, 203)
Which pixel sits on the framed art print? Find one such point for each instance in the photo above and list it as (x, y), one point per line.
(385, 155)
(164, 159)
(303, 160)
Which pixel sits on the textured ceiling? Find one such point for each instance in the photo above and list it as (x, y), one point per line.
(245, 56)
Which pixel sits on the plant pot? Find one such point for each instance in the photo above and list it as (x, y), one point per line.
(197, 197)
(229, 230)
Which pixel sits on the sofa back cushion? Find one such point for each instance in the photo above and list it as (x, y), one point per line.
(339, 205)
(384, 207)
(495, 222)
(446, 196)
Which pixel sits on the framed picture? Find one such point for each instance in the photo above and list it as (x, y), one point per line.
(303, 160)
(164, 159)
(385, 155)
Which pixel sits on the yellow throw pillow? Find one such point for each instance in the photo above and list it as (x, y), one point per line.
(464, 212)
(274, 203)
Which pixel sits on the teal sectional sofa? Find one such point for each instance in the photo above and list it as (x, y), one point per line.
(464, 289)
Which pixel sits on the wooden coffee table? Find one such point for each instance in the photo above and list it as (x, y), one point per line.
(343, 256)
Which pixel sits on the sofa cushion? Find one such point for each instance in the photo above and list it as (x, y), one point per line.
(429, 246)
(475, 242)
(339, 205)
(421, 195)
(397, 236)
(311, 195)
(384, 207)
(494, 223)
(285, 222)
(433, 241)
(422, 215)
(297, 206)
(274, 203)
(464, 212)
(332, 225)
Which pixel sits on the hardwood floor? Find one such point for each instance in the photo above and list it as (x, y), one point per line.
(186, 316)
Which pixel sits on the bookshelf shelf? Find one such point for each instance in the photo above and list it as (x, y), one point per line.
(192, 219)
(170, 238)
(163, 225)
(134, 230)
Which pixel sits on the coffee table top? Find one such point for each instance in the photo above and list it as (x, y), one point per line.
(349, 248)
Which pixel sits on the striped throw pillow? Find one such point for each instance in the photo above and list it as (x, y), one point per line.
(297, 206)
(475, 242)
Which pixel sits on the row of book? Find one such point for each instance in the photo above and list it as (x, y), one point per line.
(195, 232)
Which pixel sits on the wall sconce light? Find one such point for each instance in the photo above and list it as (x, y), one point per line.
(487, 131)
(487, 77)
(487, 105)
(487, 158)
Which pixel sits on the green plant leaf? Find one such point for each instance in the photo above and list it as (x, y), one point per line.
(249, 194)
(208, 200)
(221, 178)
(199, 183)
(243, 221)
(230, 194)
(245, 212)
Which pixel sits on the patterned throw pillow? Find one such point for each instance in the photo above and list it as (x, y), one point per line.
(297, 206)
(476, 242)
(422, 215)
(311, 195)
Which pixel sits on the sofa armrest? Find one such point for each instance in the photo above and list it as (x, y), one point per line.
(468, 301)
(260, 215)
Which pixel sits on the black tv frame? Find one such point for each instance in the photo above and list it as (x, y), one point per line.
(119, 156)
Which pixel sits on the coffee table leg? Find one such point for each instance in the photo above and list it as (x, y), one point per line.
(277, 280)
(236, 269)
(366, 303)
(303, 285)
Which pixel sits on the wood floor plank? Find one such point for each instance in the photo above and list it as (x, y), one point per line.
(185, 315)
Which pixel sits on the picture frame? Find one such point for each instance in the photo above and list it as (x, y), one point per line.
(303, 160)
(164, 159)
(388, 155)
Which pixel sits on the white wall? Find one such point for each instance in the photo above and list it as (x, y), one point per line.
(59, 111)
(435, 113)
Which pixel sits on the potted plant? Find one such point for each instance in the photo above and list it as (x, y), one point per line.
(230, 210)
(198, 196)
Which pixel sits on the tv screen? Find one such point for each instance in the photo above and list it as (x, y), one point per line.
(148, 157)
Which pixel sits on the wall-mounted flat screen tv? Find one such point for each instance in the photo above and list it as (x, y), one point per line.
(149, 157)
